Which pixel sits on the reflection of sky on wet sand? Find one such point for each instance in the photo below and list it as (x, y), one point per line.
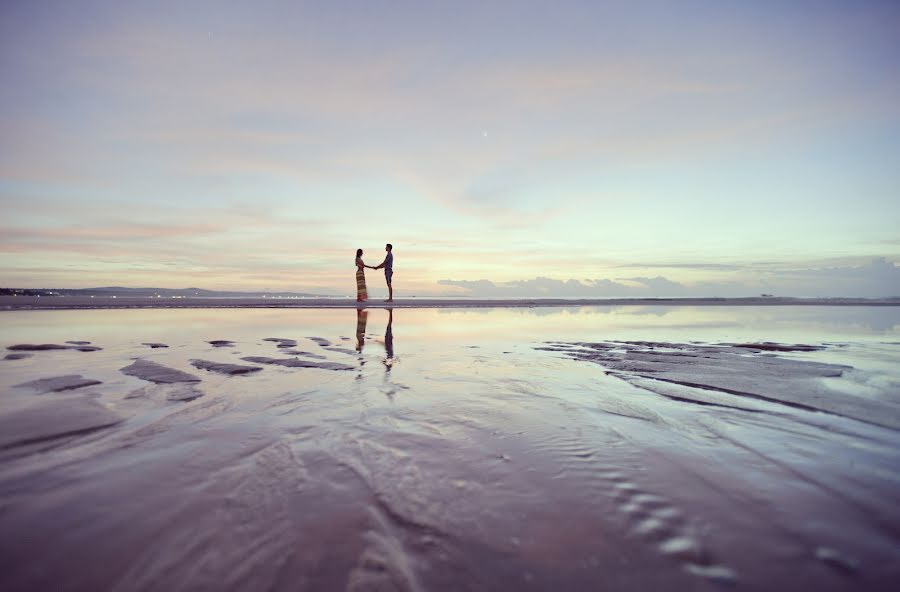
(457, 340)
(708, 323)
(697, 322)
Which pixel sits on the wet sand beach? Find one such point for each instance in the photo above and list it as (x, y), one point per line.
(548, 448)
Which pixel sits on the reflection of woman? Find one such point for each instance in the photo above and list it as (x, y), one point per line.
(362, 316)
(361, 294)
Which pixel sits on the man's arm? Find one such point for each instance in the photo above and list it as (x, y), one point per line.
(380, 265)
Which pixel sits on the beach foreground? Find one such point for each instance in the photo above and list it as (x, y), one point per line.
(618, 448)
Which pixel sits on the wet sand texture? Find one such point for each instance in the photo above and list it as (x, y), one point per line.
(589, 465)
(58, 383)
(155, 345)
(221, 343)
(46, 421)
(297, 363)
(176, 391)
(342, 350)
(17, 356)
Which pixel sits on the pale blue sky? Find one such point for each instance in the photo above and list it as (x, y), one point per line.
(713, 148)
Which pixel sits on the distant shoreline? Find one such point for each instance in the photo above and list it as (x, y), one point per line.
(86, 302)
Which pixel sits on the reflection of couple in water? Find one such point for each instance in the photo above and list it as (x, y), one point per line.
(362, 317)
(388, 265)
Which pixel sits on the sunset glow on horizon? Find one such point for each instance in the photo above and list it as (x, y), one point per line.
(505, 149)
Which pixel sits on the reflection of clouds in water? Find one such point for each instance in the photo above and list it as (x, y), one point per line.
(656, 311)
(541, 311)
(697, 325)
(876, 319)
(880, 319)
(474, 310)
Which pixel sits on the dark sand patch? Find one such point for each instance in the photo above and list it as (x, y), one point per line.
(58, 384)
(17, 356)
(53, 419)
(296, 352)
(153, 372)
(36, 347)
(79, 342)
(298, 363)
(222, 368)
(221, 343)
(342, 350)
(320, 340)
(51, 346)
(778, 347)
(282, 342)
(155, 345)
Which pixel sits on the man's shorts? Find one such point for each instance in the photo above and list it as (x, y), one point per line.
(388, 275)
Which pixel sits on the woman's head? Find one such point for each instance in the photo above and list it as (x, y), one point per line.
(359, 252)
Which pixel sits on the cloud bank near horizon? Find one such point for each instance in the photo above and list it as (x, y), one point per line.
(879, 279)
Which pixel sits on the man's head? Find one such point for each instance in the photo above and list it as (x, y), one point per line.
(388, 247)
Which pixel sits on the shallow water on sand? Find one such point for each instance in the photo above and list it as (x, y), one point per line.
(621, 448)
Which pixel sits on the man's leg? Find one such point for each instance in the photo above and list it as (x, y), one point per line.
(390, 287)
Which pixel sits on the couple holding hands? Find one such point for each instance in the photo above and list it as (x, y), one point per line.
(387, 264)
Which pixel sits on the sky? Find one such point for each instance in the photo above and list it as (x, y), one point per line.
(645, 148)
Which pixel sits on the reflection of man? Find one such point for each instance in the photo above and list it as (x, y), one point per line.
(388, 360)
(389, 335)
(362, 316)
(388, 265)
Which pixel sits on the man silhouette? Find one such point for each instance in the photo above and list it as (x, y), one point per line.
(388, 265)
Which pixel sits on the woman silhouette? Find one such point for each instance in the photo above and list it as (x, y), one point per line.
(361, 294)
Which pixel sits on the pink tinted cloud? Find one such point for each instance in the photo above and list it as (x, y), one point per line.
(123, 232)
